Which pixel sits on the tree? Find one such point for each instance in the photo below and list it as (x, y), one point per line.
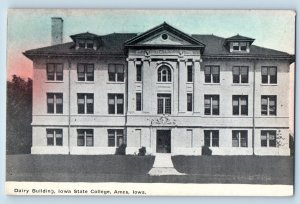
(19, 116)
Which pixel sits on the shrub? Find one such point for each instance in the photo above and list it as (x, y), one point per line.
(206, 150)
(142, 151)
(121, 150)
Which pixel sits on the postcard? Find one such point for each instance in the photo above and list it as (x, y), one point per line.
(150, 102)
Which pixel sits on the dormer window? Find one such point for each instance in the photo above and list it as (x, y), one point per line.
(90, 44)
(238, 44)
(86, 41)
(85, 44)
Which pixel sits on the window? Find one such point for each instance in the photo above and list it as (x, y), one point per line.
(85, 137)
(211, 104)
(116, 72)
(54, 137)
(212, 74)
(85, 103)
(268, 138)
(54, 103)
(189, 73)
(243, 46)
(239, 138)
(269, 75)
(85, 72)
(54, 72)
(89, 44)
(115, 103)
(239, 46)
(239, 105)
(211, 138)
(86, 44)
(138, 72)
(138, 98)
(189, 102)
(240, 74)
(268, 105)
(164, 74)
(115, 137)
(235, 46)
(163, 103)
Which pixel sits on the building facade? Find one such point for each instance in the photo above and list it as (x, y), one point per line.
(164, 90)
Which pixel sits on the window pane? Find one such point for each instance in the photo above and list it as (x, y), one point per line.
(50, 137)
(244, 74)
(138, 101)
(160, 106)
(81, 72)
(264, 75)
(138, 72)
(111, 138)
(263, 138)
(59, 137)
(189, 102)
(215, 105)
(272, 105)
(215, 138)
(207, 138)
(207, 74)
(111, 72)
(236, 74)
(50, 71)
(235, 105)
(189, 73)
(90, 72)
(216, 74)
(273, 75)
(272, 138)
(235, 138)
(244, 138)
(244, 105)
(207, 105)
(50, 103)
(168, 105)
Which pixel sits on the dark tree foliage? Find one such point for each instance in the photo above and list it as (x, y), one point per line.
(19, 116)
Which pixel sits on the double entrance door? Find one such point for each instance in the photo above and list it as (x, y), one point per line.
(163, 141)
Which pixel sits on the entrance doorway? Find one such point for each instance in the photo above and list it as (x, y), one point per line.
(163, 141)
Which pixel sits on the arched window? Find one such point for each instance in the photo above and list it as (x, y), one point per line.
(164, 74)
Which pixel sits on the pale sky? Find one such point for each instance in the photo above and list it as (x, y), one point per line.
(28, 29)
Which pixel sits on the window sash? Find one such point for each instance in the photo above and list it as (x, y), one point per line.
(212, 74)
(138, 72)
(164, 74)
(189, 102)
(115, 137)
(138, 101)
(211, 104)
(164, 105)
(269, 74)
(189, 73)
(239, 138)
(85, 137)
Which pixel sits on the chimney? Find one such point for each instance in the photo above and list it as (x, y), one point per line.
(56, 30)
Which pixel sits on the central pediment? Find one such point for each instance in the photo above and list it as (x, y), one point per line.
(164, 35)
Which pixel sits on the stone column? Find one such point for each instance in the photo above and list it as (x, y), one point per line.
(147, 86)
(131, 85)
(182, 87)
(197, 87)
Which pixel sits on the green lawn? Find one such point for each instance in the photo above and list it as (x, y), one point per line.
(116, 168)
